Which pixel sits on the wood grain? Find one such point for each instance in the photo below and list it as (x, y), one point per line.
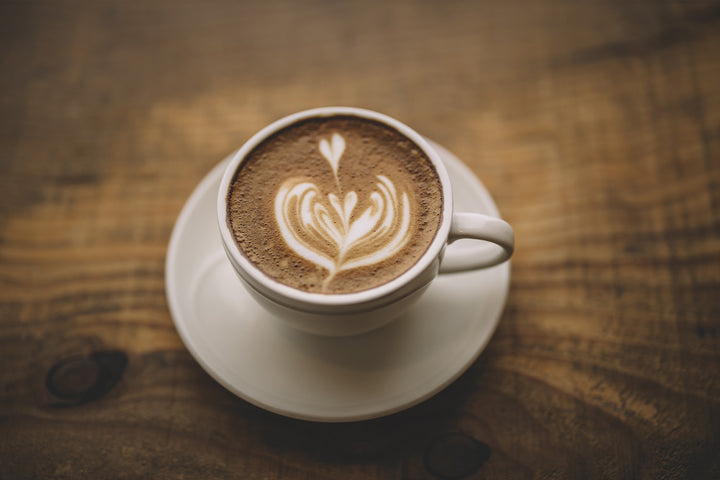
(596, 127)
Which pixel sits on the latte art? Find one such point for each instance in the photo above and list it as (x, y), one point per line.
(335, 205)
(323, 229)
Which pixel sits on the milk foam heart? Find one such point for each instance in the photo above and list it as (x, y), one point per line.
(323, 228)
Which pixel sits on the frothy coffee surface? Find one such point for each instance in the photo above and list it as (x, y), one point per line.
(335, 204)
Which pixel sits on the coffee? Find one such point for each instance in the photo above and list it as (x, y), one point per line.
(335, 204)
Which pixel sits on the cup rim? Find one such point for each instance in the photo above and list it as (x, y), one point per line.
(323, 300)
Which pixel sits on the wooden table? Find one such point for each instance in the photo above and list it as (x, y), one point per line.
(596, 127)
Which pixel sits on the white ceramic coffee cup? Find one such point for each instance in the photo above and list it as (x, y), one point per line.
(353, 313)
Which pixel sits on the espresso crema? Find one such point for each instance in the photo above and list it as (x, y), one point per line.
(335, 204)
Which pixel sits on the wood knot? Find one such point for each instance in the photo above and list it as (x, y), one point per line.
(455, 455)
(82, 379)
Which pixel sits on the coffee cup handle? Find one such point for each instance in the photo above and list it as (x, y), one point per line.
(496, 246)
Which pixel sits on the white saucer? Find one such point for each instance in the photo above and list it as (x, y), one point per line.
(319, 378)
